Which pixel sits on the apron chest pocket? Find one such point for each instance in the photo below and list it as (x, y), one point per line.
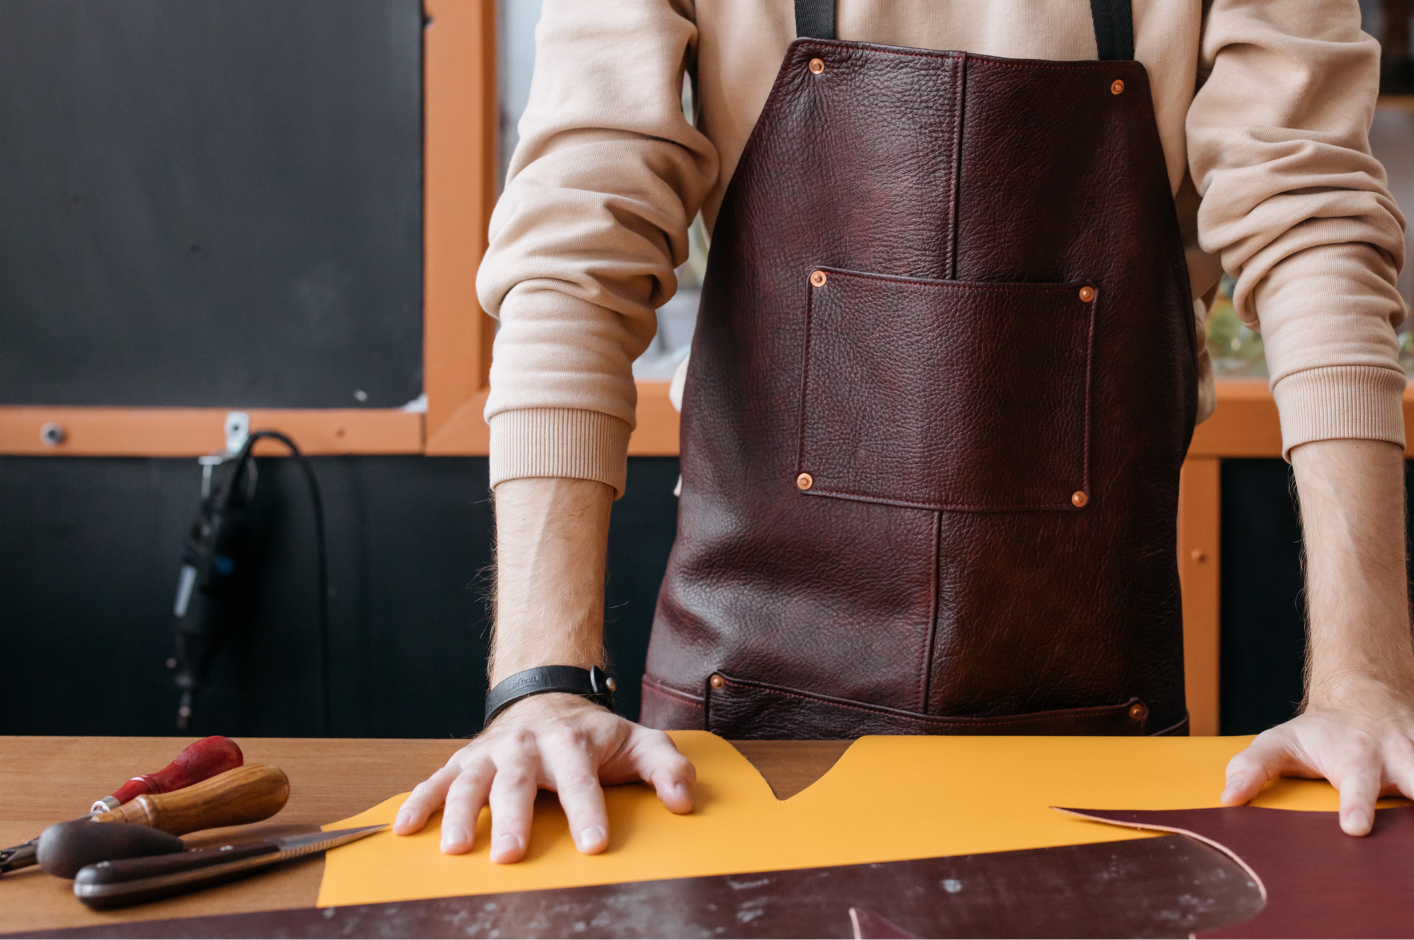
(946, 394)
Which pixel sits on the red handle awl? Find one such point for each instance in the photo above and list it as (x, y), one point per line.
(198, 761)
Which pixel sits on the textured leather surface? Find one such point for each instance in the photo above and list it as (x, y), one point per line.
(1166, 887)
(871, 926)
(906, 401)
(934, 167)
(1319, 882)
(772, 713)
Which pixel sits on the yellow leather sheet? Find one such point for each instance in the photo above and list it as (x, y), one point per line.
(888, 798)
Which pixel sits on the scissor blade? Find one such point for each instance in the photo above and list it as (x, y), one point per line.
(23, 855)
(295, 846)
(18, 856)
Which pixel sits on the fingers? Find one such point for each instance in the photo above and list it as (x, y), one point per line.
(1399, 766)
(564, 752)
(657, 761)
(465, 797)
(1358, 773)
(513, 797)
(1269, 755)
(575, 778)
(1359, 789)
(424, 800)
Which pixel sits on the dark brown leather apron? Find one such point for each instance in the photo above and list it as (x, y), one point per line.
(940, 390)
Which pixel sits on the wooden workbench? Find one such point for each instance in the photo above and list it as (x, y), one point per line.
(48, 779)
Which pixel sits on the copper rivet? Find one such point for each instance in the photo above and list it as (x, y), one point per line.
(1198, 555)
(1087, 293)
(805, 481)
(817, 279)
(1138, 711)
(817, 66)
(718, 682)
(1117, 86)
(1079, 499)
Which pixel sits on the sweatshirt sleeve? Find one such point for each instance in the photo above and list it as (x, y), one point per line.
(1298, 209)
(602, 187)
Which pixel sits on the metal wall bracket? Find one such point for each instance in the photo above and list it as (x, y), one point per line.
(237, 431)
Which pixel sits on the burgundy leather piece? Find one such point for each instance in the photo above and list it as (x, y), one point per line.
(955, 417)
(936, 167)
(1319, 881)
(871, 926)
(769, 712)
(1165, 887)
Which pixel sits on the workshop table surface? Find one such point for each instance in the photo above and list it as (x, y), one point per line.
(51, 779)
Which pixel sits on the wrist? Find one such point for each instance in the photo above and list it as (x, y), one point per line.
(583, 655)
(1357, 684)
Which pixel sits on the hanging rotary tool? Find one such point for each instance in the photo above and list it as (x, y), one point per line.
(217, 567)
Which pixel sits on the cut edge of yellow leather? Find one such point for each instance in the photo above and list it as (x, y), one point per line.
(887, 799)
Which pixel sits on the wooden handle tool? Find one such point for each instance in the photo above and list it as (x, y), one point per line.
(244, 795)
(198, 761)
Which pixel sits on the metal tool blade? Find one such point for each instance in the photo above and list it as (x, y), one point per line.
(23, 855)
(295, 846)
(18, 856)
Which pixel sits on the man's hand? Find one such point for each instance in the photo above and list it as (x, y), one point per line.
(551, 538)
(554, 742)
(1357, 726)
(1362, 743)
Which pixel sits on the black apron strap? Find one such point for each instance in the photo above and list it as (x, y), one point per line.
(1114, 24)
(815, 19)
(1114, 28)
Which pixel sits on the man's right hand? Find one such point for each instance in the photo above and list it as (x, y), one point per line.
(555, 741)
(551, 537)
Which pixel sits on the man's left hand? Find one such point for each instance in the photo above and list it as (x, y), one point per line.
(1361, 739)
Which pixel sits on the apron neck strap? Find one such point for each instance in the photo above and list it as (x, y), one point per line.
(815, 19)
(1114, 24)
(1114, 28)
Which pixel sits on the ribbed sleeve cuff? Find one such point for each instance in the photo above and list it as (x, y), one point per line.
(559, 442)
(1340, 402)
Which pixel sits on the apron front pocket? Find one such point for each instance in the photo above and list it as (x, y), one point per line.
(745, 709)
(947, 394)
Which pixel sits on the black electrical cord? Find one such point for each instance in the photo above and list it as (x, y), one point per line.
(237, 480)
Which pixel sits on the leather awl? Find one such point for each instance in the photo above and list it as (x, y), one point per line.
(245, 795)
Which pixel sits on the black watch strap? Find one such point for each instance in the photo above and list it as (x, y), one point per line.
(594, 684)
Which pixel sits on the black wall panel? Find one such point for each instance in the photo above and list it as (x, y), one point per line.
(89, 552)
(1263, 638)
(211, 202)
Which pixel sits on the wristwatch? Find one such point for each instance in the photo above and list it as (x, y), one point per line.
(594, 684)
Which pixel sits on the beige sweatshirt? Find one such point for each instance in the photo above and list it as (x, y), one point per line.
(1263, 106)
